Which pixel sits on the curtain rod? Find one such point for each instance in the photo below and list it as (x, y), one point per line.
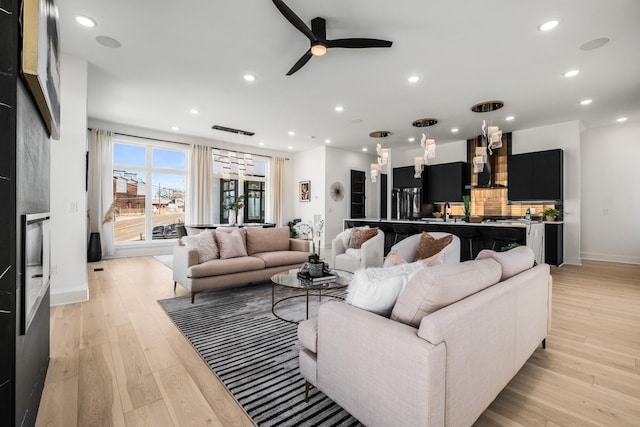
(186, 143)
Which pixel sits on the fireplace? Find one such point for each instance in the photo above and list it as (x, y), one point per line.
(35, 265)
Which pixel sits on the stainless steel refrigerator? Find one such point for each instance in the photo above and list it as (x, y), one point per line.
(407, 203)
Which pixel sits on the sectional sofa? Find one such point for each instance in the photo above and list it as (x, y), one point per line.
(457, 335)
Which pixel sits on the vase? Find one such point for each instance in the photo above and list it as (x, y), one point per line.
(550, 218)
(94, 252)
(315, 270)
(232, 217)
(240, 217)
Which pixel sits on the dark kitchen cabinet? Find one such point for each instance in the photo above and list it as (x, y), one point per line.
(403, 177)
(553, 244)
(535, 176)
(447, 182)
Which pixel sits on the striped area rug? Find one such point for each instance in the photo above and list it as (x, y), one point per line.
(254, 354)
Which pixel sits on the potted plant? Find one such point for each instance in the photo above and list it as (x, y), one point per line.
(550, 214)
(467, 207)
(235, 208)
(315, 265)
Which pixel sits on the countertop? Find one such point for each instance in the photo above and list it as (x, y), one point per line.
(458, 221)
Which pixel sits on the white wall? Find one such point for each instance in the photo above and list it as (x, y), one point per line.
(68, 192)
(611, 193)
(446, 152)
(567, 137)
(339, 164)
(309, 166)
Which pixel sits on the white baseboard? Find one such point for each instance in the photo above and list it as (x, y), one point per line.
(69, 297)
(572, 261)
(625, 259)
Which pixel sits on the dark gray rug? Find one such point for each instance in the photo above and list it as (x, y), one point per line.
(254, 354)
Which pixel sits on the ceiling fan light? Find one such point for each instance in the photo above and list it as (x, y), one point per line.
(318, 49)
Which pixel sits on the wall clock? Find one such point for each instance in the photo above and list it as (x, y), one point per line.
(336, 191)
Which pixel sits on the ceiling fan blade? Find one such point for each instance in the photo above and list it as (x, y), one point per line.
(319, 28)
(305, 58)
(294, 19)
(358, 43)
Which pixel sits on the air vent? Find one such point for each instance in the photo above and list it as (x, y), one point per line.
(238, 131)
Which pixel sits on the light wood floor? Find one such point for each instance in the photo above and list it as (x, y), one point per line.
(118, 360)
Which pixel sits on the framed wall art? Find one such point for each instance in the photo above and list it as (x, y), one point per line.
(305, 191)
(40, 59)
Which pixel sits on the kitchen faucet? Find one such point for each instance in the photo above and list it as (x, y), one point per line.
(446, 211)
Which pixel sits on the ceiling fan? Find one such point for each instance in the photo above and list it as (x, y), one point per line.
(317, 35)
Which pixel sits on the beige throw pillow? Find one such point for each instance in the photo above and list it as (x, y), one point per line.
(433, 288)
(204, 243)
(231, 245)
(359, 236)
(428, 246)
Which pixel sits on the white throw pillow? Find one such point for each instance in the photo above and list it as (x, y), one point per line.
(377, 289)
(513, 261)
(356, 253)
(204, 243)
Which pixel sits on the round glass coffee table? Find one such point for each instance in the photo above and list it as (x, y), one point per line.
(289, 279)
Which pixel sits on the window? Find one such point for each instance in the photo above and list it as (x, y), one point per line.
(149, 184)
(254, 201)
(228, 194)
(234, 176)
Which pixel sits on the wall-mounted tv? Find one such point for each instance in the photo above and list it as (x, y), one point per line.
(35, 264)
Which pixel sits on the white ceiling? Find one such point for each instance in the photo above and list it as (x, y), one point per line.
(193, 54)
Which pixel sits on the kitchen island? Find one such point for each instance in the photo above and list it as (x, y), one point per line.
(476, 236)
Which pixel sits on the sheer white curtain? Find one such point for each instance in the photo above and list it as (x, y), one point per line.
(101, 186)
(277, 189)
(199, 189)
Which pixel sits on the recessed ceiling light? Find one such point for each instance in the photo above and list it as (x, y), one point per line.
(291, 133)
(290, 147)
(261, 143)
(509, 118)
(108, 42)
(412, 139)
(327, 141)
(571, 73)
(194, 111)
(339, 108)
(550, 25)
(249, 77)
(586, 101)
(364, 149)
(175, 128)
(85, 21)
(621, 119)
(413, 79)
(454, 130)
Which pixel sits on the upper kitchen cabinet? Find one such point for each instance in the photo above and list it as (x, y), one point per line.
(535, 176)
(446, 182)
(403, 177)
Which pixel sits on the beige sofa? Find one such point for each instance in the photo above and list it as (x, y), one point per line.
(269, 251)
(445, 370)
